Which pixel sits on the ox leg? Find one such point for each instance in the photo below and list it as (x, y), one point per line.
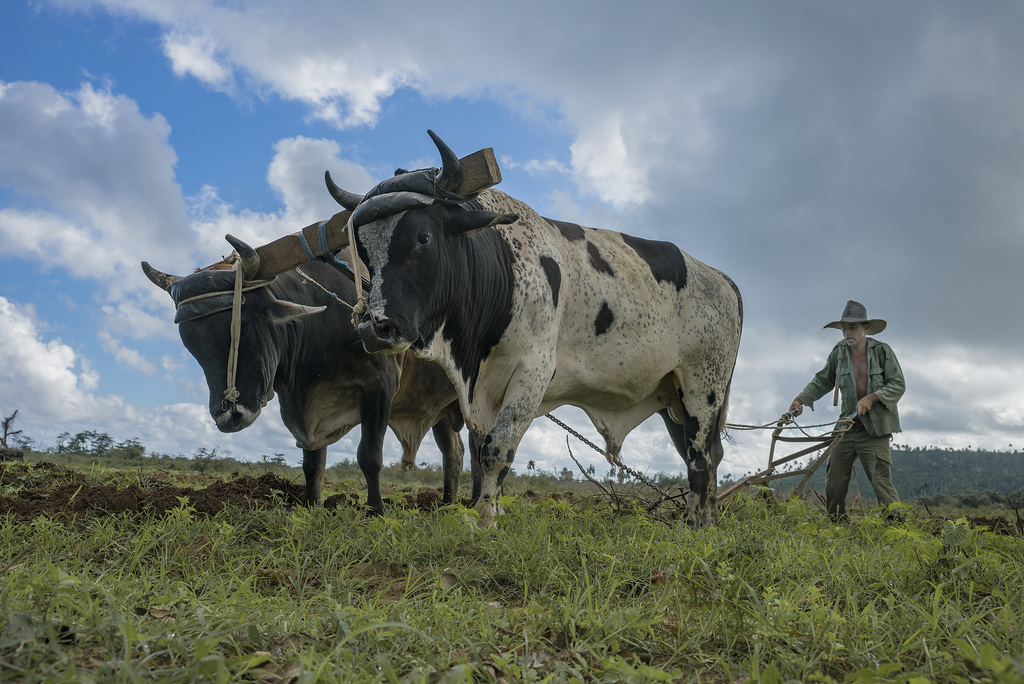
(704, 485)
(375, 411)
(475, 469)
(452, 451)
(498, 451)
(313, 463)
(475, 441)
(702, 467)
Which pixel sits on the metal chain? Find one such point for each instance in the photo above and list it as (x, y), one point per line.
(617, 462)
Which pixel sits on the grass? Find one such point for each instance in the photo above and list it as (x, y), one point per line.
(561, 590)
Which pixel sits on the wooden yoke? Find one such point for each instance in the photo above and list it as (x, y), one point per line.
(479, 172)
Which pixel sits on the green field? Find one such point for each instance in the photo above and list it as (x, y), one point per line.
(149, 574)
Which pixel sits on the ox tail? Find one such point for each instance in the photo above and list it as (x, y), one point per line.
(722, 414)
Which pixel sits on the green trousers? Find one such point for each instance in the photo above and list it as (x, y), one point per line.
(876, 459)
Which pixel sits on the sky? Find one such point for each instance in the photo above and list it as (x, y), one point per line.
(815, 151)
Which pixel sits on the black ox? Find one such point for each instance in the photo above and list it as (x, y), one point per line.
(297, 341)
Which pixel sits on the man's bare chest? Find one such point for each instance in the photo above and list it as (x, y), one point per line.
(859, 367)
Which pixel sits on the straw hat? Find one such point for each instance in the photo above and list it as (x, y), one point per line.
(855, 312)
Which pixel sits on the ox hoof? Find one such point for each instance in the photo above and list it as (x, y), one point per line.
(698, 520)
(487, 510)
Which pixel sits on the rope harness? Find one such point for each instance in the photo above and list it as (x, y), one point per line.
(361, 304)
(231, 392)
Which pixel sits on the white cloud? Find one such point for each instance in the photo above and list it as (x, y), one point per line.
(601, 159)
(171, 365)
(534, 166)
(126, 356)
(44, 377)
(195, 54)
(296, 173)
(105, 173)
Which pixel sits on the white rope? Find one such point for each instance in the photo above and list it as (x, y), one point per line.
(333, 295)
(231, 392)
(361, 304)
(252, 285)
(789, 424)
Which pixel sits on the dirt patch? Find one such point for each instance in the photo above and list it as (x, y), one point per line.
(998, 525)
(29, 491)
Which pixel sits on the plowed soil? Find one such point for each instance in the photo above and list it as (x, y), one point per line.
(29, 491)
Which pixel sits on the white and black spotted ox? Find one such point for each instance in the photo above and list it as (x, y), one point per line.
(526, 314)
(298, 342)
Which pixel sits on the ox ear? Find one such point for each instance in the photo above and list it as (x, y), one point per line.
(466, 222)
(281, 311)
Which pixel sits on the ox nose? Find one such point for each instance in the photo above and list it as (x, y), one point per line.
(378, 334)
(233, 419)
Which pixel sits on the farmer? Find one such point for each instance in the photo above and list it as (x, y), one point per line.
(871, 381)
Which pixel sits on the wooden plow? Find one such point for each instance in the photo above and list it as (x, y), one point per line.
(826, 442)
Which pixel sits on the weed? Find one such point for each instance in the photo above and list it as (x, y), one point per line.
(572, 588)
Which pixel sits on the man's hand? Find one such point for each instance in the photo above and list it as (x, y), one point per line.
(796, 408)
(865, 403)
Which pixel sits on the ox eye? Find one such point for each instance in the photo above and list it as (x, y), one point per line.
(423, 239)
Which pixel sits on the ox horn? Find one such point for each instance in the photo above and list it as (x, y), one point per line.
(451, 168)
(159, 278)
(349, 200)
(387, 205)
(250, 259)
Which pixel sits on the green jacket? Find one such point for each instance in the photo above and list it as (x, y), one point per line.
(885, 379)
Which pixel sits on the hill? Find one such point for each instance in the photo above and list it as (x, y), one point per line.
(930, 473)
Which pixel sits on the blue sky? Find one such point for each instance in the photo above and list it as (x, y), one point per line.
(815, 152)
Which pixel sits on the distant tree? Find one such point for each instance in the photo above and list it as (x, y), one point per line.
(130, 448)
(75, 444)
(61, 446)
(204, 458)
(9, 433)
(100, 443)
(87, 442)
(276, 459)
